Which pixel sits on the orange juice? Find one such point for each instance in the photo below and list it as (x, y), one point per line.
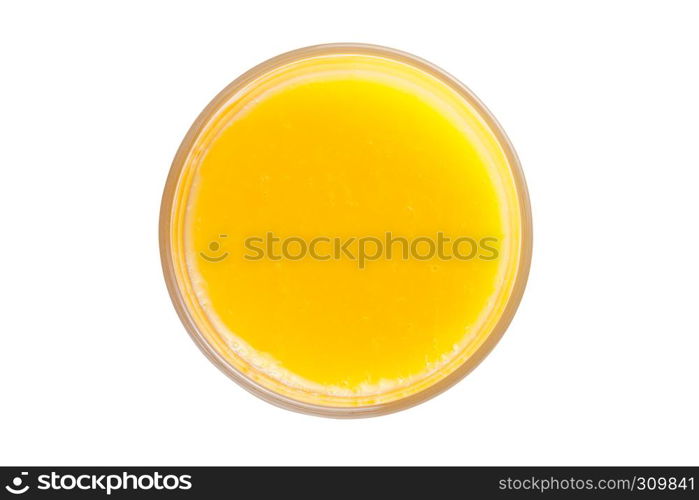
(346, 227)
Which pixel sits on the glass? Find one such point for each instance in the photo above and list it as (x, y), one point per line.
(166, 234)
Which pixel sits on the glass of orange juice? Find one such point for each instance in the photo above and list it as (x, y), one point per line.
(345, 230)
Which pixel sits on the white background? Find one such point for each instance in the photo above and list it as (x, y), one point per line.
(600, 365)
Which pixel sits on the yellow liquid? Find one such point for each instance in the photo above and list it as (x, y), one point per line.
(345, 146)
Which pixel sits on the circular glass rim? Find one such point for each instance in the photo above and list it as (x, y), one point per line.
(265, 393)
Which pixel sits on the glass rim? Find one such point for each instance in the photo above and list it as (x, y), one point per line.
(287, 402)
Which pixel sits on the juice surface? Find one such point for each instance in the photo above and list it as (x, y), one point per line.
(341, 147)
